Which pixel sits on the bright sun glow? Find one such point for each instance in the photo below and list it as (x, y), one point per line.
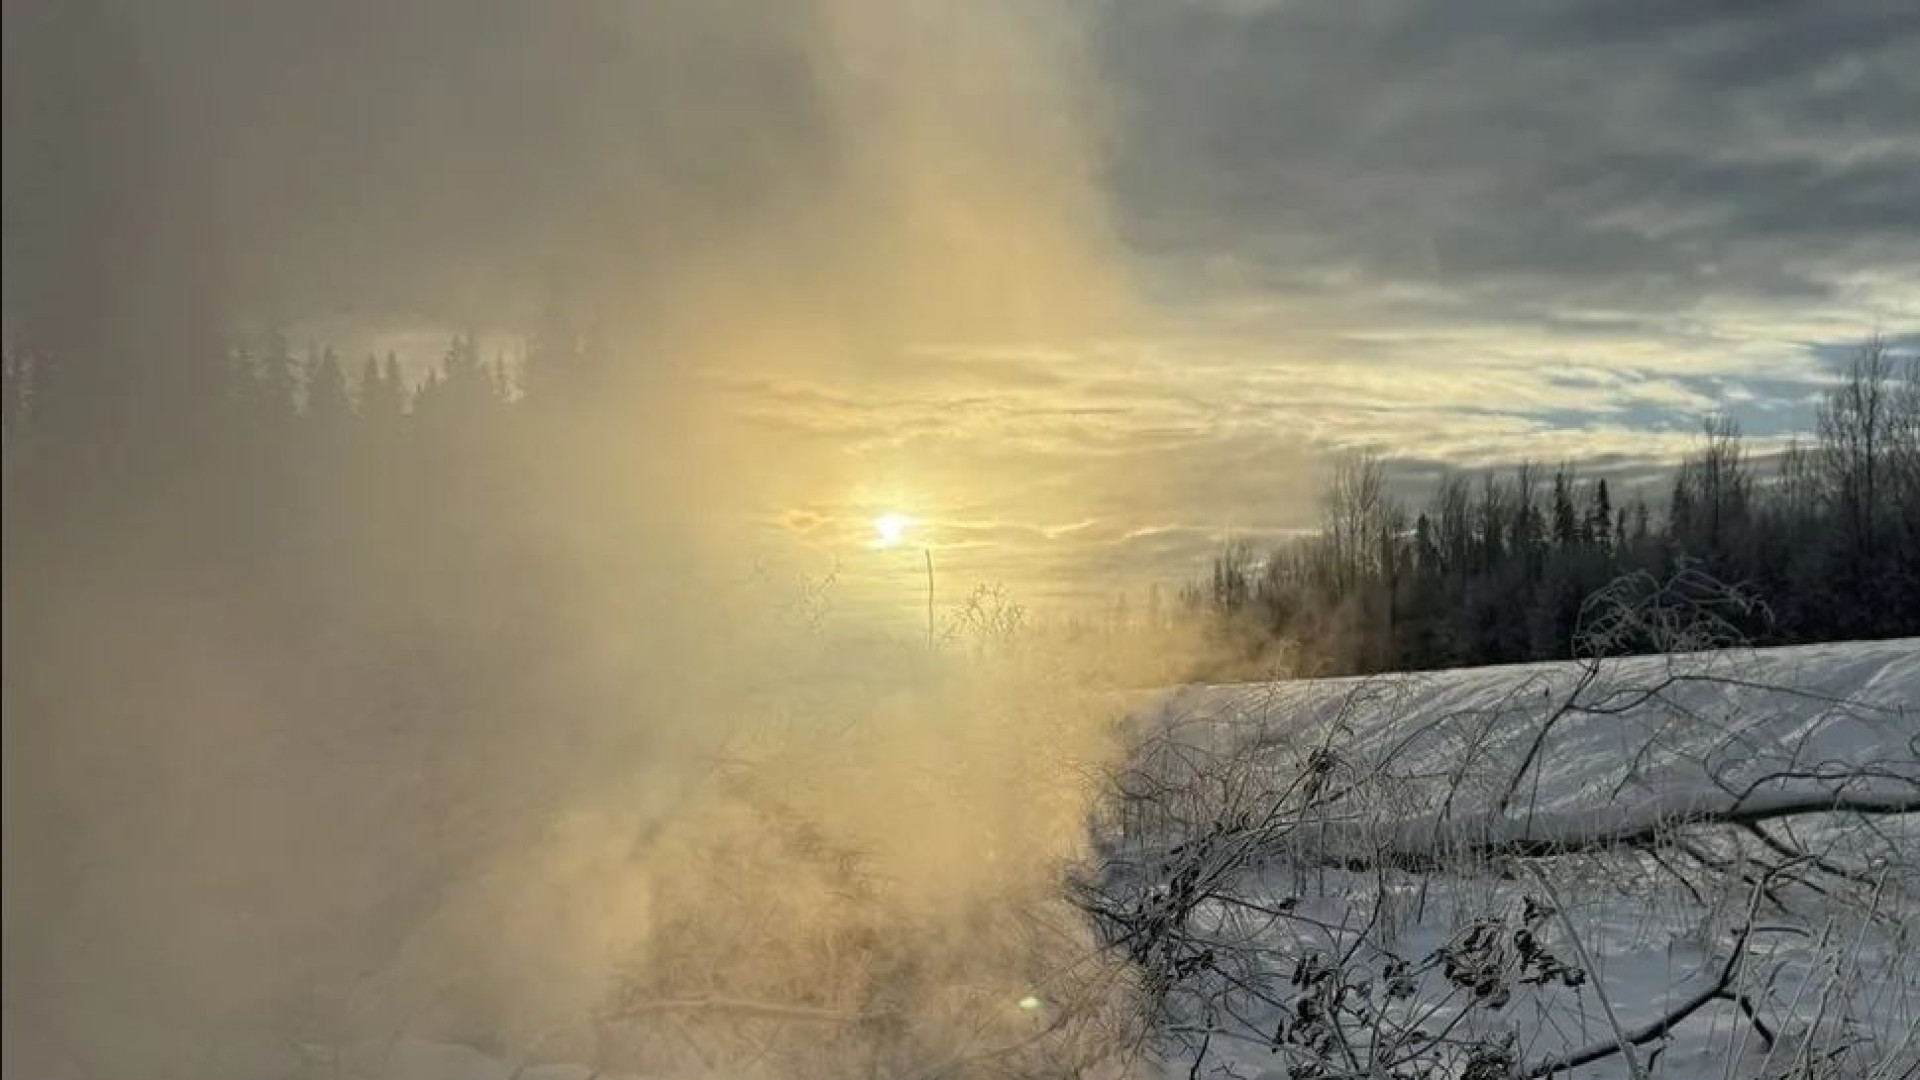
(888, 529)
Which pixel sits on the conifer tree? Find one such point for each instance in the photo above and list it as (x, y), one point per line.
(1600, 516)
(327, 403)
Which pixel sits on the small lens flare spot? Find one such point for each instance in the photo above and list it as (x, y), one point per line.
(1030, 1003)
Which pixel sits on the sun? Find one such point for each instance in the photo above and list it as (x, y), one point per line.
(889, 529)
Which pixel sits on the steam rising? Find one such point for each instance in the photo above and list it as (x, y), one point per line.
(313, 789)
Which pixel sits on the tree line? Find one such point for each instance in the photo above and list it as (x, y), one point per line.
(230, 563)
(279, 466)
(1494, 568)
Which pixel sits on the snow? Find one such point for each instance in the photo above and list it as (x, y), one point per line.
(1654, 743)
(1720, 726)
(1751, 730)
(417, 1059)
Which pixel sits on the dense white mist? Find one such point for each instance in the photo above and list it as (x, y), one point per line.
(237, 821)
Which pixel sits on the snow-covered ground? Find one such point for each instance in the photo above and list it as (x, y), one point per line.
(1618, 817)
(1516, 861)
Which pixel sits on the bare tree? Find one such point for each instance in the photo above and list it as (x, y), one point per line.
(1857, 433)
(1351, 509)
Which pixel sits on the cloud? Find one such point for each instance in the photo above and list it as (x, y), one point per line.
(1515, 159)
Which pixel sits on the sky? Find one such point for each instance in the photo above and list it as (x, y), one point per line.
(1459, 234)
(1078, 289)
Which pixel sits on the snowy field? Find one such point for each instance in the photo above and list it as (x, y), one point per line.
(1531, 858)
(1712, 858)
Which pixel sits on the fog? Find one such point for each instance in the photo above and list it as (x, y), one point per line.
(479, 724)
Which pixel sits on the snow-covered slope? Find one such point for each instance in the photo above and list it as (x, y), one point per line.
(1472, 766)
(1642, 787)
(1628, 742)
(1726, 713)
